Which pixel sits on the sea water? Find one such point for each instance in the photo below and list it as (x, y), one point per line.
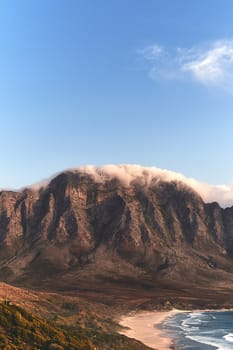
(201, 330)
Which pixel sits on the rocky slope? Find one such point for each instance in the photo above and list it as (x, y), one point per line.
(78, 233)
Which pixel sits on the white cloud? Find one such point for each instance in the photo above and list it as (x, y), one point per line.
(151, 52)
(128, 173)
(209, 65)
(214, 65)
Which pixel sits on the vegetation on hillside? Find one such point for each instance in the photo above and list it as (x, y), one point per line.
(23, 331)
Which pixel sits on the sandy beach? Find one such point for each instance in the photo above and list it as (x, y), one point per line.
(142, 326)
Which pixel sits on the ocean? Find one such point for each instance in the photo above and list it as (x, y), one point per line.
(201, 330)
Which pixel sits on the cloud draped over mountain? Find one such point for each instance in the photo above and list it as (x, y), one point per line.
(127, 173)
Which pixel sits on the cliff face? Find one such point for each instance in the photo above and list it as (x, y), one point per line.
(75, 227)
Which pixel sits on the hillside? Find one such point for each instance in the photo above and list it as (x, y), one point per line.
(22, 330)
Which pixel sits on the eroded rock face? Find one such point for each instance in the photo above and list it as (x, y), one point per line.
(76, 222)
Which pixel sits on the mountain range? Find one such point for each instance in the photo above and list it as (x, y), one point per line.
(144, 239)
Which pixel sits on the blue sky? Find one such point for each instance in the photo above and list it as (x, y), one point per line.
(116, 81)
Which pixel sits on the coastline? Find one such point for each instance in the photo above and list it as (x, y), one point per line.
(143, 326)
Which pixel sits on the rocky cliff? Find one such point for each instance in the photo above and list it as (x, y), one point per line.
(76, 229)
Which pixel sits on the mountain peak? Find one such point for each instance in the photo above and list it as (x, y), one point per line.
(129, 174)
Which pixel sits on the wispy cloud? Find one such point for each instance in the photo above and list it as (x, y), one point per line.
(210, 65)
(151, 52)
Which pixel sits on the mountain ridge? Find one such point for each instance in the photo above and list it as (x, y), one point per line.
(76, 233)
(128, 173)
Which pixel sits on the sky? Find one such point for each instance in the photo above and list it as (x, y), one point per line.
(146, 82)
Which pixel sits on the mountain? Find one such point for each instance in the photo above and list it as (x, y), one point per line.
(144, 239)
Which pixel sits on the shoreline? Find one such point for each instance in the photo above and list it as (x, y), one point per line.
(144, 326)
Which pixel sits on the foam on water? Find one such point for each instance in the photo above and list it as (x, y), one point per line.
(229, 337)
(218, 344)
(202, 330)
